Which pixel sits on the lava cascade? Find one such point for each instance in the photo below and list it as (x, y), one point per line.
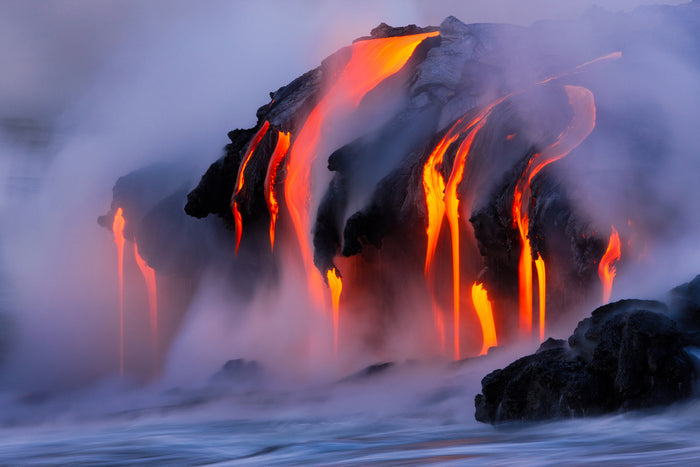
(335, 283)
(118, 229)
(149, 277)
(580, 126)
(278, 155)
(240, 180)
(606, 268)
(484, 311)
(370, 63)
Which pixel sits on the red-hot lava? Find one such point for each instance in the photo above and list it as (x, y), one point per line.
(149, 277)
(370, 63)
(434, 188)
(580, 126)
(606, 268)
(278, 155)
(118, 229)
(335, 283)
(484, 311)
(240, 180)
(541, 293)
(451, 202)
(441, 199)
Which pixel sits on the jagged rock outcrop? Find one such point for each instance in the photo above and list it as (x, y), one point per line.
(628, 355)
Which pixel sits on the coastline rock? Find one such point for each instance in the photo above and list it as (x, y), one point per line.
(628, 355)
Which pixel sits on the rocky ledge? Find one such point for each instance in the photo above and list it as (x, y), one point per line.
(627, 355)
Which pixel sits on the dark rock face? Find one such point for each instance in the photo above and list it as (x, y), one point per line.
(627, 355)
(685, 303)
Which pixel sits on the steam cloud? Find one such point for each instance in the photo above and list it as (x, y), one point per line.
(90, 92)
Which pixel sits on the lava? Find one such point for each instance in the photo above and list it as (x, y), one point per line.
(370, 63)
(149, 276)
(118, 229)
(434, 189)
(336, 285)
(278, 155)
(441, 199)
(451, 209)
(580, 126)
(240, 180)
(541, 293)
(484, 311)
(606, 268)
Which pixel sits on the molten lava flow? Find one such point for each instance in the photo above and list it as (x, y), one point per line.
(273, 167)
(149, 276)
(482, 305)
(118, 229)
(451, 208)
(336, 286)
(606, 268)
(240, 180)
(581, 125)
(434, 188)
(542, 292)
(441, 198)
(371, 61)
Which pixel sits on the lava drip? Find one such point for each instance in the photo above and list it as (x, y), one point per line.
(606, 268)
(541, 293)
(580, 126)
(336, 285)
(240, 180)
(484, 311)
(118, 229)
(278, 155)
(371, 61)
(149, 277)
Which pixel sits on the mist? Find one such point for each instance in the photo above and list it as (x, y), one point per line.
(100, 90)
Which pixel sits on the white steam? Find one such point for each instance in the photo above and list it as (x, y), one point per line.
(115, 86)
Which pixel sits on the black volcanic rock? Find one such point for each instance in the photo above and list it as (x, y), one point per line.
(627, 355)
(685, 303)
(213, 194)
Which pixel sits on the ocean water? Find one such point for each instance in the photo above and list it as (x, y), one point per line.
(404, 417)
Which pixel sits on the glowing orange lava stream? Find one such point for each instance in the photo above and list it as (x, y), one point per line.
(240, 180)
(451, 203)
(441, 199)
(580, 126)
(118, 229)
(370, 63)
(484, 311)
(542, 293)
(149, 276)
(336, 285)
(606, 268)
(278, 155)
